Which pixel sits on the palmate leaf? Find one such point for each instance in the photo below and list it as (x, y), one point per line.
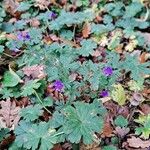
(144, 130)
(31, 113)
(87, 48)
(133, 9)
(121, 121)
(82, 121)
(32, 136)
(132, 64)
(118, 94)
(6, 93)
(70, 18)
(29, 87)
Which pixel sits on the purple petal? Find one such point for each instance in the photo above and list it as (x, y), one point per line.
(58, 85)
(20, 36)
(52, 15)
(107, 71)
(27, 37)
(104, 93)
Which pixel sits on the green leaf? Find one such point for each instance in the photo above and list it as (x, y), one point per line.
(6, 93)
(3, 133)
(133, 9)
(132, 64)
(110, 147)
(1, 49)
(23, 6)
(32, 136)
(121, 121)
(11, 79)
(82, 121)
(87, 48)
(31, 113)
(144, 120)
(48, 101)
(29, 87)
(118, 94)
(71, 18)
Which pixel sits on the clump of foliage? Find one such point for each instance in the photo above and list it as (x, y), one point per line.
(74, 73)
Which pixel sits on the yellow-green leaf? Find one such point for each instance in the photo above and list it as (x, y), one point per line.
(118, 94)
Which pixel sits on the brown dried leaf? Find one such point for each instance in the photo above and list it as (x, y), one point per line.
(122, 131)
(145, 109)
(96, 53)
(34, 22)
(42, 4)
(73, 76)
(35, 71)
(10, 113)
(11, 6)
(136, 99)
(23, 102)
(86, 30)
(107, 130)
(11, 36)
(93, 146)
(142, 57)
(138, 143)
(57, 147)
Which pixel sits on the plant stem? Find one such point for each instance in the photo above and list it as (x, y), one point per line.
(36, 94)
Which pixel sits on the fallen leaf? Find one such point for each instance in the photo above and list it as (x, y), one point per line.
(42, 4)
(118, 94)
(57, 147)
(96, 53)
(67, 146)
(7, 141)
(136, 99)
(124, 111)
(145, 108)
(86, 30)
(142, 57)
(122, 131)
(35, 71)
(107, 130)
(105, 99)
(138, 143)
(93, 146)
(23, 102)
(146, 93)
(11, 6)
(10, 113)
(34, 22)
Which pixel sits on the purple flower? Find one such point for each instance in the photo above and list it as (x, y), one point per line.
(104, 93)
(58, 85)
(107, 71)
(27, 36)
(52, 15)
(20, 36)
(23, 36)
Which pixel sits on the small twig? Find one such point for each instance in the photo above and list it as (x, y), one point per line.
(8, 55)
